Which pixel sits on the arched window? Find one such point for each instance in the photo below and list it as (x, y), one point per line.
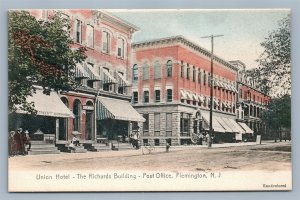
(135, 72)
(157, 70)
(145, 71)
(90, 35)
(169, 68)
(105, 42)
(188, 71)
(194, 74)
(77, 113)
(121, 47)
(199, 76)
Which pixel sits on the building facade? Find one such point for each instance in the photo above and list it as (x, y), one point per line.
(171, 89)
(100, 107)
(251, 102)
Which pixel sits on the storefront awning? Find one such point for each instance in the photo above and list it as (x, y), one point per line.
(216, 125)
(224, 124)
(245, 127)
(109, 108)
(237, 128)
(48, 105)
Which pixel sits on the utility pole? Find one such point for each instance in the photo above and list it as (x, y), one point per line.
(211, 130)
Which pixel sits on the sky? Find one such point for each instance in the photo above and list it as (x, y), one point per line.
(243, 30)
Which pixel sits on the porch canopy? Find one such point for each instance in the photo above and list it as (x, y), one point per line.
(109, 108)
(245, 127)
(47, 105)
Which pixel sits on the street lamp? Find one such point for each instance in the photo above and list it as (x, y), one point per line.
(211, 86)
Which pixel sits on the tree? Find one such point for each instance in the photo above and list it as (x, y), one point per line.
(39, 53)
(275, 61)
(278, 114)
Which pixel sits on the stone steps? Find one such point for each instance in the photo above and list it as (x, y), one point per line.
(40, 147)
(78, 149)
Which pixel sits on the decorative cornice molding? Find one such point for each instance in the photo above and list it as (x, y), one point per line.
(186, 42)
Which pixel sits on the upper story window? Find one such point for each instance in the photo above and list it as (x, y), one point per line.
(204, 78)
(181, 69)
(90, 36)
(135, 97)
(145, 71)
(135, 72)
(157, 95)
(157, 70)
(121, 46)
(188, 71)
(146, 96)
(194, 74)
(169, 95)
(169, 68)
(105, 42)
(199, 76)
(241, 93)
(78, 31)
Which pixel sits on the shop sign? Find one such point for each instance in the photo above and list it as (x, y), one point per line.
(88, 107)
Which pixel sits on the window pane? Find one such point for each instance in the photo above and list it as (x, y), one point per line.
(90, 36)
(146, 96)
(169, 68)
(157, 70)
(135, 73)
(169, 95)
(146, 123)
(156, 121)
(169, 122)
(145, 71)
(157, 95)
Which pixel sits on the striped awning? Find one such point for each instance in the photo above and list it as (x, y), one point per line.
(245, 127)
(47, 105)
(189, 96)
(183, 94)
(201, 98)
(108, 78)
(80, 72)
(224, 124)
(195, 98)
(122, 80)
(216, 125)
(92, 74)
(216, 102)
(109, 108)
(235, 126)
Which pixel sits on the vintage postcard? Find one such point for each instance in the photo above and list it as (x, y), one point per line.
(149, 100)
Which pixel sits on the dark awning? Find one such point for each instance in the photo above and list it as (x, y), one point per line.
(109, 108)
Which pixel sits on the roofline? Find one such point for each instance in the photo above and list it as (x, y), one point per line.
(239, 82)
(183, 40)
(119, 20)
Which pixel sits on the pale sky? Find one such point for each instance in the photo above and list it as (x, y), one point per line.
(243, 30)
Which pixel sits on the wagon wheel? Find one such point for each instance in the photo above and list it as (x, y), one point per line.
(194, 138)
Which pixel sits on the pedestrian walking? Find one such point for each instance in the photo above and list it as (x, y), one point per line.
(28, 140)
(167, 147)
(11, 143)
(23, 142)
(17, 142)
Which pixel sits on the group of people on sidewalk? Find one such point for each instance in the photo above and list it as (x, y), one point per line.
(18, 141)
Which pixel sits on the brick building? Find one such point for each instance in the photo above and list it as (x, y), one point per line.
(251, 103)
(101, 106)
(171, 89)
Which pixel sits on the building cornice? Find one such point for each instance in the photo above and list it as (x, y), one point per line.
(182, 40)
(109, 17)
(244, 84)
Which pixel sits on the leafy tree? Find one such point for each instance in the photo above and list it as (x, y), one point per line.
(275, 61)
(278, 114)
(39, 53)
